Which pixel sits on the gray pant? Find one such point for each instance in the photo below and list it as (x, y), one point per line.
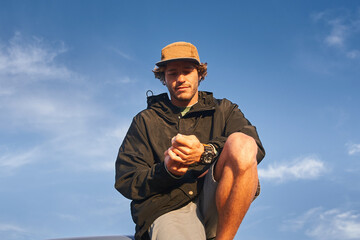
(195, 221)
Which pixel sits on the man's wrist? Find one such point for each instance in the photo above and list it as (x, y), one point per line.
(171, 174)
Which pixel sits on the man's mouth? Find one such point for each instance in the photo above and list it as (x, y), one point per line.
(180, 88)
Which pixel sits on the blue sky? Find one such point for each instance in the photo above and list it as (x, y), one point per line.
(74, 73)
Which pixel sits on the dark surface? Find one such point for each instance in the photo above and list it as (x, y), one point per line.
(97, 238)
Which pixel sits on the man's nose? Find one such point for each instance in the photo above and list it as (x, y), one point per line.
(181, 78)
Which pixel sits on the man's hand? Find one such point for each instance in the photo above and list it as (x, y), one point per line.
(185, 150)
(174, 164)
(187, 147)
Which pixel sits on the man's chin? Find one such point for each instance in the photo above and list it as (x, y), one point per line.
(182, 97)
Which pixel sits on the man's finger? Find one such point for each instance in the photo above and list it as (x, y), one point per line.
(179, 153)
(184, 140)
(174, 157)
(181, 148)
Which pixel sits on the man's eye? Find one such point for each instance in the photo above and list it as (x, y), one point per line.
(172, 73)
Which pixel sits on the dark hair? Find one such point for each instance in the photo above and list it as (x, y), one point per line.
(159, 72)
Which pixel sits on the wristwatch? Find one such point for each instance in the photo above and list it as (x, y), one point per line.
(208, 155)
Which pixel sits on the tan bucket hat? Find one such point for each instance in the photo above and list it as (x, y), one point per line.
(179, 51)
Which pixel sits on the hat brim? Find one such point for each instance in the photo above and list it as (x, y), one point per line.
(163, 63)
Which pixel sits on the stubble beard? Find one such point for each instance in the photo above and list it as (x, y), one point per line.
(185, 97)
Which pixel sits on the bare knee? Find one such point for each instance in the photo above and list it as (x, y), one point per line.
(240, 151)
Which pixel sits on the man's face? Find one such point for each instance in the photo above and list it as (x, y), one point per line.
(182, 81)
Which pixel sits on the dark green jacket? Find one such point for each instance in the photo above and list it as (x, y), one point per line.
(140, 172)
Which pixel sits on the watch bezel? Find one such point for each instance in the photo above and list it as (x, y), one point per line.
(208, 155)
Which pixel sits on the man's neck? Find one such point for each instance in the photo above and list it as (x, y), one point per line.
(183, 104)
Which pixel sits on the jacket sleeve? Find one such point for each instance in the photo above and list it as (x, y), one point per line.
(236, 122)
(137, 175)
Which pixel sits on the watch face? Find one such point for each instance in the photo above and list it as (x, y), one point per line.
(208, 158)
(208, 155)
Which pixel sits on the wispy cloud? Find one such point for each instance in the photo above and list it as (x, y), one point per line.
(66, 117)
(302, 168)
(322, 224)
(89, 149)
(339, 33)
(121, 53)
(343, 30)
(32, 58)
(11, 231)
(55, 113)
(353, 54)
(120, 81)
(12, 161)
(26, 65)
(353, 148)
(10, 227)
(298, 223)
(68, 217)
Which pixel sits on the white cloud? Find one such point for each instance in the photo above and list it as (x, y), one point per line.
(88, 149)
(12, 161)
(125, 80)
(353, 149)
(32, 58)
(301, 168)
(6, 92)
(338, 33)
(332, 224)
(10, 227)
(26, 100)
(52, 114)
(317, 16)
(68, 217)
(121, 53)
(94, 151)
(353, 54)
(10, 231)
(342, 30)
(120, 81)
(298, 223)
(69, 123)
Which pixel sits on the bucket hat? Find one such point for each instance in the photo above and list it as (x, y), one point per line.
(179, 51)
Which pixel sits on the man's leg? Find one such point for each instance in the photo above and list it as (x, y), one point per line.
(207, 204)
(180, 224)
(236, 174)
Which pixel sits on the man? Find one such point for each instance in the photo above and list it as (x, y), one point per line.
(188, 163)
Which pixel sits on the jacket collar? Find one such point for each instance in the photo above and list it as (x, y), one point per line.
(163, 104)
